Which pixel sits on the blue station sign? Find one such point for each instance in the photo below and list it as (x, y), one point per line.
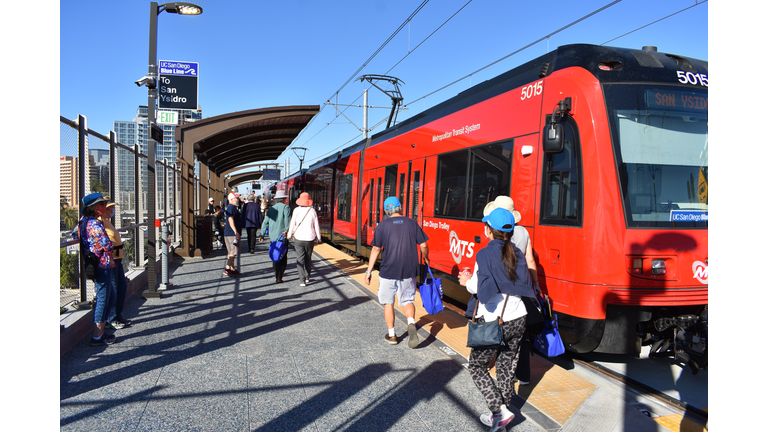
(177, 86)
(171, 67)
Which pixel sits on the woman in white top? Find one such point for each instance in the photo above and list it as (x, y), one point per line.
(522, 240)
(500, 278)
(305, 230)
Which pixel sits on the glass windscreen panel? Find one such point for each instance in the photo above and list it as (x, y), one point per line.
(660, 138)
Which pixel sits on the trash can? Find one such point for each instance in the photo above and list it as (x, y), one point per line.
(203, 234)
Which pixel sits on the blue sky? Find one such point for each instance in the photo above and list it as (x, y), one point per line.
(255, 54)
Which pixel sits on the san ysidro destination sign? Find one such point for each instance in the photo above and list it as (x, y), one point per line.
(177, 88)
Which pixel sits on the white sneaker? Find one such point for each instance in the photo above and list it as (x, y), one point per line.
(486, 419)
(501, 419)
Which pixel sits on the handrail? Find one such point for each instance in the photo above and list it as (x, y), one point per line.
(75, 242)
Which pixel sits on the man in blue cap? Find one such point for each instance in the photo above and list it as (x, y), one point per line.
(398, 237)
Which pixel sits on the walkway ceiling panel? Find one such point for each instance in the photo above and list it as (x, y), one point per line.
(227, 141)
(244, 178)
(243, 158)
(242, 146)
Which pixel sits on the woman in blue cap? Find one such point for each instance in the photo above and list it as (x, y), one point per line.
(92, 234)
(500, 278)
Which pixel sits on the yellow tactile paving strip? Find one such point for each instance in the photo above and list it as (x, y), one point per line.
(678, 423)
(553, 390)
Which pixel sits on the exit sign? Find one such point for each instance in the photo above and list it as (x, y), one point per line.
(168, 117)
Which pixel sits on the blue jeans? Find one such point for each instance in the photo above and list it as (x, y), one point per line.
(105, 295)
(121, 286)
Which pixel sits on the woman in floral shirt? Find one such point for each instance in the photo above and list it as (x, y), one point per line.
(91, 232)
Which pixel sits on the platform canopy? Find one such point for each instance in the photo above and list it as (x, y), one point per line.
(231, 140)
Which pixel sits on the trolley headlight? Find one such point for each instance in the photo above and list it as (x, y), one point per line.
(658, 267)
(653, 267)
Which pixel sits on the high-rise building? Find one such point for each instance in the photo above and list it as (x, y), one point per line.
(99, 167)
(130, 133)
(68, 180)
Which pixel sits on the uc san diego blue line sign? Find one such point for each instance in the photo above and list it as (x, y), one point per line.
(177, 88)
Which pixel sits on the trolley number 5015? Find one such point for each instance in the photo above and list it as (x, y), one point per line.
(692, 78)
(532, 90)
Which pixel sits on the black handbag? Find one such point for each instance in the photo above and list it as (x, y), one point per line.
(534, 319)
(90, 260)
(91, 264)
(485, 335)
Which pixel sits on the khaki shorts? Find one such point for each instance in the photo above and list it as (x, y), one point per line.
(232, 248)
(405, 290)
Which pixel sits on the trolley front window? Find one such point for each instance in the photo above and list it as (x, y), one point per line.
(660, 137)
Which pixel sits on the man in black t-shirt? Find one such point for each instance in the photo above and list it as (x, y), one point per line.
(398, 237)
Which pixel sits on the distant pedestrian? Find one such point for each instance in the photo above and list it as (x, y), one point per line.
(115, 318)
(500, 278)
(276, 222)
(233, 225)
(252, 220)
(218, 224)
(90, 231)
(398, 239)
(305, 229)
(210, 205)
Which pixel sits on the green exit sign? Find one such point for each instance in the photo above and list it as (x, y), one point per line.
(168, 117)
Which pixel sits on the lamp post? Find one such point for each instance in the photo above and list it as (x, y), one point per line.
(300, 153)
(181, 8)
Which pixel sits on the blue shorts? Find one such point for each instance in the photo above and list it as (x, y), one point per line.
(405, 290)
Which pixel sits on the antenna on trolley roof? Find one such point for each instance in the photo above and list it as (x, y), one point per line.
(397, 97)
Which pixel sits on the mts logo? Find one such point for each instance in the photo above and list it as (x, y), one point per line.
(460, 248)
(701, 272)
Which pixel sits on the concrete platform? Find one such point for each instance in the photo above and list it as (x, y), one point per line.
(227, 354)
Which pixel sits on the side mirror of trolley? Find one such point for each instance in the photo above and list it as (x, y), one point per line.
(552, 137)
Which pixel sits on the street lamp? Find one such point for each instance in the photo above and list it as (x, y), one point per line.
(181, 8)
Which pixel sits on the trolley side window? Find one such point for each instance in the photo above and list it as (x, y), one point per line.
(451, 184)
(561, 202)
(344, 210)
(370, 205)
(378, 201)
(416, 195)
(489, 176)
(468, 180)
(390, 181)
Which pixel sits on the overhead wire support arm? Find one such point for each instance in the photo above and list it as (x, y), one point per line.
(345, 116)
(395, 95)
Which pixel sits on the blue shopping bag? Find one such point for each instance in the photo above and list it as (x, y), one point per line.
(278, 248)
(549, 342)
(431, 292)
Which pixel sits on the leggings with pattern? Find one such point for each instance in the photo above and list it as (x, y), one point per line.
(501, 392)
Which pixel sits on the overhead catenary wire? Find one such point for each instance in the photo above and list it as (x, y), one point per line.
(658, 20)
(517, 51)
(475, 72)
(410, 51)
(699, 2)
(405, 105)
(354, 75)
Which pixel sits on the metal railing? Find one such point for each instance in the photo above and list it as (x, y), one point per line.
(119, 171)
